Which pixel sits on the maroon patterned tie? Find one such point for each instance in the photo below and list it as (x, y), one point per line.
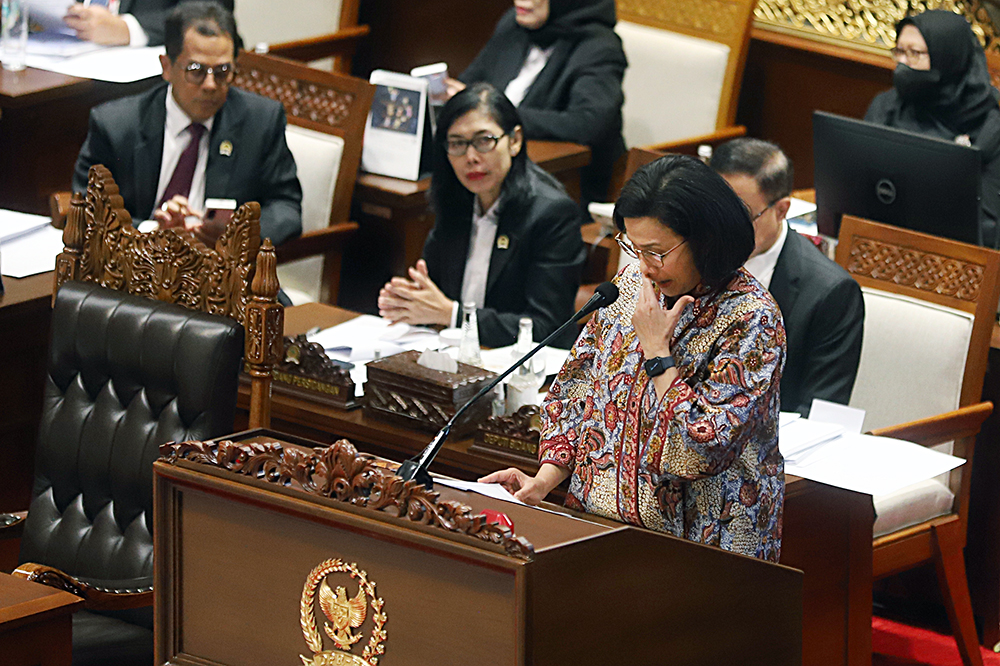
(180, 181)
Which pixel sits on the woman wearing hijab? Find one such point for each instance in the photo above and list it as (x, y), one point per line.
(561, 64)
(942, 88)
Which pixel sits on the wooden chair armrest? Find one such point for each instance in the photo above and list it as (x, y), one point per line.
(59, 208)
(126, 594)
(964, 422)
(12, 524)
(338, 44)
(316, 242)
(690, 146)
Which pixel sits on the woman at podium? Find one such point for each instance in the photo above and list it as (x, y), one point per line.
(942, 88)
(665, 414)
(506, 235)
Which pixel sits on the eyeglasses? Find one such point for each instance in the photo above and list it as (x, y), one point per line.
(652, 258)
(483, 143)
(195, 72)
(754, 218)
(911, 55)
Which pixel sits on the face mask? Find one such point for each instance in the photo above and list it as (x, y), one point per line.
(914, 85)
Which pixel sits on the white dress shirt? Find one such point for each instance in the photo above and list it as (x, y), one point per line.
(136, 35)
(175, 140)
(762, 266)
(533, 65)
(477, 264)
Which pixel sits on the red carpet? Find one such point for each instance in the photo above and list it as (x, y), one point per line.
(896, 644)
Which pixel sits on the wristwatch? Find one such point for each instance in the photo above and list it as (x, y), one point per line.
(658, 365)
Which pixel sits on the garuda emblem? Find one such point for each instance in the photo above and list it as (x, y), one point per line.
(344, 613)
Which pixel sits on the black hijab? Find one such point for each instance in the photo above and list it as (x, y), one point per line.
(956, 95)
(573, 20)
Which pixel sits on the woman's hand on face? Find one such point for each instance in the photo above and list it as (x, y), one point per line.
(654, 324)
(416, 300)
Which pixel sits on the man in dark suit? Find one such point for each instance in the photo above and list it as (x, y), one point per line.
(820, 302)
(137, 23)
(195, 138)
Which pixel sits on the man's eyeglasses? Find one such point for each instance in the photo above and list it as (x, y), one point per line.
(754, 218)
(652, 258)
(483, 143)
(911, 55)
(195, 72)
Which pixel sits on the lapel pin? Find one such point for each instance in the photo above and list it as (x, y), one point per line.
(502, 242)
(226, 148)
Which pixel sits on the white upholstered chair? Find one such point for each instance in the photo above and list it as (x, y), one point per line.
(929, 314)
(326, 116)
(686, 62)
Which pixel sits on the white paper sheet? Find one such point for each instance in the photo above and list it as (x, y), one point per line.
(873, 465)
(48, 14)
(117, 64)
(32, 253)
(499, 359)
(359, 339)
(798, 438)
(850, 419)
(799, 207)
(14, 224)
(494, 490)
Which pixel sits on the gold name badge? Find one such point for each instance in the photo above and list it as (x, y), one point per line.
(345, 614)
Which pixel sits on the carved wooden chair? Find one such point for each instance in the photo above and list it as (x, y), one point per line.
(686, 61)
(326, 118)
(929, 312)
(147, 345)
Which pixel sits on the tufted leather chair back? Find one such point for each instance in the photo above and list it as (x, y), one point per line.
(126, 374)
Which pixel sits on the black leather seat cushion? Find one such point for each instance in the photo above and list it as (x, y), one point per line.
(126, 374)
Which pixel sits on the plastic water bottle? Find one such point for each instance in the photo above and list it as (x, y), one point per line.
(522, 389)
(468, 350)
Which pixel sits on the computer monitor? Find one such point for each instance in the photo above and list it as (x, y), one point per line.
(893, 176)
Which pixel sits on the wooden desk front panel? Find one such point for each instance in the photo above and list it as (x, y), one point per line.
(240, 559)
(35, 624)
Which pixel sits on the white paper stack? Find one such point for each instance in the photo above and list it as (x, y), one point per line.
(28, 243)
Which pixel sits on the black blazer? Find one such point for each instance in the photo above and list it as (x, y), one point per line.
(824, 315)
(536, 276)
(126, 136)
(576, 97)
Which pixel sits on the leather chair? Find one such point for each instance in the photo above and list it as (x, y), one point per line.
(147, 346)
(126, 374)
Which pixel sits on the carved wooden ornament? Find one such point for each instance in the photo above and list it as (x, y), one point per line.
(339, 472)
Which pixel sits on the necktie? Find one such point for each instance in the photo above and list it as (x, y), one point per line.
(180, 181)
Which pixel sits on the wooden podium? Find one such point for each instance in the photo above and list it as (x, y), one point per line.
(270, 551)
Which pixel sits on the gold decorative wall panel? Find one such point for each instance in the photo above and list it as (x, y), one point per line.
(868, 25)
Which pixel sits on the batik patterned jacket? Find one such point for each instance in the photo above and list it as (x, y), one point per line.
(702, 462)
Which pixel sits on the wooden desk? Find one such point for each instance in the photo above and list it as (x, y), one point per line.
(25, 317)
(395, 219)
(36, 623)
(827, 531)
(42, 126)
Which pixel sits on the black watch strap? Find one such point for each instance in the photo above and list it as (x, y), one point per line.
(658, 365)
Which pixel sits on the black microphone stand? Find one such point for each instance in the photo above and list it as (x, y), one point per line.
(415, 469)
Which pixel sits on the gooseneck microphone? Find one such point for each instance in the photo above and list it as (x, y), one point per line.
(415, 469)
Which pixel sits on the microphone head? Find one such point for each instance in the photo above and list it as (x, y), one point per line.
(608, 293)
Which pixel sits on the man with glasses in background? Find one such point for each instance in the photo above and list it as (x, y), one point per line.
(196, 138)
(820, 302)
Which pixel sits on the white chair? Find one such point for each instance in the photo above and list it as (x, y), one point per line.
(326, 117)
(686, 62)
(929, 313)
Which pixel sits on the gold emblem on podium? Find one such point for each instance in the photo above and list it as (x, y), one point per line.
(345, 612)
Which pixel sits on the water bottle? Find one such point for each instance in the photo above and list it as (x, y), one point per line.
(522, 389)
(468, 350)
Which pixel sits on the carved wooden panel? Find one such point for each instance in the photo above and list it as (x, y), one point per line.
(167, 264)
(866, 24)
(906, 266)
(720, 18)
(301, 99)
(339, 472)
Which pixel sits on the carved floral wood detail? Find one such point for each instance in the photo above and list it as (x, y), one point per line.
(301, 99)
(906, 266)
(339, 472)
(717, 17)
(167, 265)
(868, 24)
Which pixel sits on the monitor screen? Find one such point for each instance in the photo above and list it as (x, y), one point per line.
(896, 177)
